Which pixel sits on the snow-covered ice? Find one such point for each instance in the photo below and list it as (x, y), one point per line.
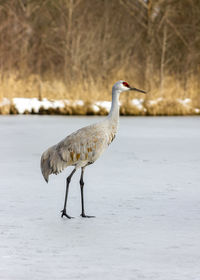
(144, 191)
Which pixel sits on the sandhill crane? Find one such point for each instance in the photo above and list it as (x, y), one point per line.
(84, 146)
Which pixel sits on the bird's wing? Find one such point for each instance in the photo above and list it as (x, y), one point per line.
(85, 145)
(79, 149)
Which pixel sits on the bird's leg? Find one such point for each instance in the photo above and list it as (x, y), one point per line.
(82, 196)
(64, 213)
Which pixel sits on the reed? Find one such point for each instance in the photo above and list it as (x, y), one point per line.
(171, 101)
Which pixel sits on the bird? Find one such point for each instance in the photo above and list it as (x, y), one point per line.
(84, 146)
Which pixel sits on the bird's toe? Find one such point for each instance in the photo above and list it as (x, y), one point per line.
(64, 214)
(86, 216)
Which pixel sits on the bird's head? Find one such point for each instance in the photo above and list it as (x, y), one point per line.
(121, 86)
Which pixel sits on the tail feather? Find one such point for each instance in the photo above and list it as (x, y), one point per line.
(45, 167)
(51, 162)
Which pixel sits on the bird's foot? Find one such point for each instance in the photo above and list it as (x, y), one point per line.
(65, 214)
(86, 216)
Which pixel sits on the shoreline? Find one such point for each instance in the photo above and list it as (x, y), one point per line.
(135, 107)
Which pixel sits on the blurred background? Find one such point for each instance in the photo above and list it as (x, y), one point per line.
(77, 49)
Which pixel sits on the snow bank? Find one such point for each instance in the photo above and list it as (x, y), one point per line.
(77, 107)
(33, 104)
(104, 104)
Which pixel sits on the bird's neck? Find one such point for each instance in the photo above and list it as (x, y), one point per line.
(114, 111)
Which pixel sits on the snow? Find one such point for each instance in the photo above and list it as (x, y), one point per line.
(104, 104)
(187, 103)
(197, 110)
(144, 192)
(29, 104)
(155, 101)
(79, 102)
(95, 108)
(138, 103)
(5, 101)
(184, 102)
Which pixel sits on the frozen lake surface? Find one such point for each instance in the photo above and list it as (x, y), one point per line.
(144, 191)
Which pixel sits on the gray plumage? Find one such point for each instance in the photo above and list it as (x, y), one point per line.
(79, 149)
(84, 146)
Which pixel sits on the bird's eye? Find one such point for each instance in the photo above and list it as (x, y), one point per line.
(126, 84)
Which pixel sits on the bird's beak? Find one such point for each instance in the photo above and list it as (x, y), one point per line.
(135, 89)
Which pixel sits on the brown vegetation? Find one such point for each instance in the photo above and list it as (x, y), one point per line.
(76, 49)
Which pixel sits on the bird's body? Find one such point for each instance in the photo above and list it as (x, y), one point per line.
(79, 149)
(84, 146)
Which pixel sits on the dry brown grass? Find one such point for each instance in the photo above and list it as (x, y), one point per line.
(13, 85)
(155, 102)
